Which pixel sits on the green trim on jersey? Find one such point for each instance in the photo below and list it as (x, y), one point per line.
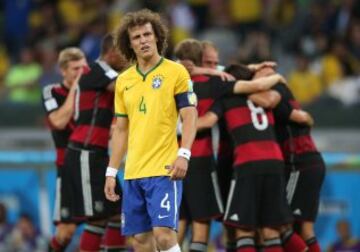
(121, 115)
(152, 69)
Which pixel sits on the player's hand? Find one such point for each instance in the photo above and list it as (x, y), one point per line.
(223, 75)
(281, 78)
(179, 168)
(109, 189)
(256, 67)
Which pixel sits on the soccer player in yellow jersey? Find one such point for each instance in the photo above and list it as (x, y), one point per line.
(148, 97)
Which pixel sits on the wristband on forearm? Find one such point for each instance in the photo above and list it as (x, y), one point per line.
(111, 172)
(185, 153)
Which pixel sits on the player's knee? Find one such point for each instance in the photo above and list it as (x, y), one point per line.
(143, 242)
(269, 233)
(65, 233)
(165, 238)
(307, 230)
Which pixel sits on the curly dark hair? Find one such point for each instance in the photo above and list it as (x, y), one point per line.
(139, 18)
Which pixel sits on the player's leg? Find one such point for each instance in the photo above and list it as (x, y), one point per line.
(291, 241)
(135, 219)
(97, 207)
(203, 198)
(200, 236)
(272, 241)
(230, 238)
(183, 224)
(113, 240)
(245, 240)
(225, 172)
(241, 210)
(144, 242)
(166, 239)
(275, 211)
(185, 219)
(63, 236)
(163, 197)
(64, 203)
(305, 202)
(91, 237)
(308, 234)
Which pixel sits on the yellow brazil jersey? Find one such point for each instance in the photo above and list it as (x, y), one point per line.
(148, 100)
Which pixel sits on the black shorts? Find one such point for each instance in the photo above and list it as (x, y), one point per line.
(201, 200)
(303, 189)
(257, 200)
(82, 187)
(224, 169)
(56, 214)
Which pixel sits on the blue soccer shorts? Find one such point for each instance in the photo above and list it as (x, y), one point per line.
(150, 202)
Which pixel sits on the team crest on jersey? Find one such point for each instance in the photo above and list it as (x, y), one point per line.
(192, 98)
(157, 81)
(190, 86)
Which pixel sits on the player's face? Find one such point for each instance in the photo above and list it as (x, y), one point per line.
(143, 41)
(72, 70)
(210, 58)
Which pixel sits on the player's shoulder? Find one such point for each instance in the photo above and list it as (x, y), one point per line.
(173, 64)
(102, 67)
(48, 90)
(128, 73)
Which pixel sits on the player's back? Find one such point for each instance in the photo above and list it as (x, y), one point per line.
(294, 138)
(94, 108)
(54, 96)
(252, 131)
(207, 91)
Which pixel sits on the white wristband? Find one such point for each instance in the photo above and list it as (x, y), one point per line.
(111, 172)
(185, 153)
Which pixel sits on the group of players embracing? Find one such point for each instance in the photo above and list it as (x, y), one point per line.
(262, 176)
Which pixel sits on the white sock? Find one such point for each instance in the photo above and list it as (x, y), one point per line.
(175, 248)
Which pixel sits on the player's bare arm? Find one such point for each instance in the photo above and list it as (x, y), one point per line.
(257, 85)
(61, 117)
(206, 121)
(302, 117)
(189, 118)
(258, 66)
(195, 70)
(209, 71)
(119, 147)
(266, 99)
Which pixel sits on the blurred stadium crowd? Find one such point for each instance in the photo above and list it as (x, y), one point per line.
(316, 43)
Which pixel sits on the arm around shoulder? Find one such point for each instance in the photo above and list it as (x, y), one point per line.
(302, 117)
(206, 121)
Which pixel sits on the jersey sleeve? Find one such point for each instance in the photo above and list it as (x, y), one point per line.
(184, 94)
(221, 88)
(282, 90)
(98, 77)
(50, 99)
(218, 108)
(120, 109)
(283, 109)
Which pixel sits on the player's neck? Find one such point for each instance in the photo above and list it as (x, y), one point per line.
(145, 65)
(67, 84)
